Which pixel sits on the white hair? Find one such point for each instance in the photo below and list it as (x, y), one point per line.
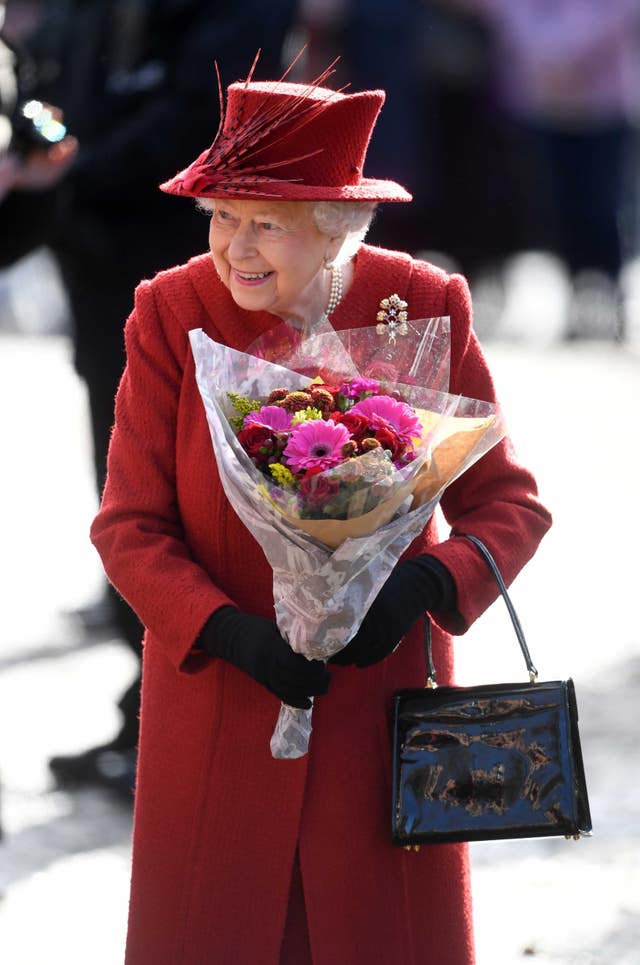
(206, 205)
(351, 218)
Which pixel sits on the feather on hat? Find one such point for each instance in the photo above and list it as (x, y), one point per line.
(289, 142)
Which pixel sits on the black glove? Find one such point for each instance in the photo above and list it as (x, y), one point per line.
(414, 586)
(255, 646)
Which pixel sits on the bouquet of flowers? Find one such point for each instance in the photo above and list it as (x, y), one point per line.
(335, 463)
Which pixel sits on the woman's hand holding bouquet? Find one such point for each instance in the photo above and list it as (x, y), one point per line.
(414, 586)
(255, 646)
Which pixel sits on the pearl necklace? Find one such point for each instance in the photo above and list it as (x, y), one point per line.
(335, 292)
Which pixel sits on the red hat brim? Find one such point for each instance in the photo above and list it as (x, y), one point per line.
(369, 189)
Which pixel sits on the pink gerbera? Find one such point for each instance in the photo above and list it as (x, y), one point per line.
(382, 410)
(272, 416)
(315, 443)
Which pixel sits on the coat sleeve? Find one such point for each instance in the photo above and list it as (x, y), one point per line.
(138, 531)
(496, 499)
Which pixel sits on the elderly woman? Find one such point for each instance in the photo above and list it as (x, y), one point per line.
(240, 858)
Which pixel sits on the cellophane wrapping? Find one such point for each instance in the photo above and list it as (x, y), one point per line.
(327, 573)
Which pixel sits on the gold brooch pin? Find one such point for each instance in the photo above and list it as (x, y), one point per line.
(392, 317)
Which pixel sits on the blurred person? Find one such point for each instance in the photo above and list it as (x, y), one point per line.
(376, 42)
(35, 153)
(399, 146)
(134, 78)
(30, 162)
(432, 59)
(238, 857)
(462, 149)
(569, 78)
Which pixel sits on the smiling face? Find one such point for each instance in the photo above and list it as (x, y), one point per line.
(271, 255)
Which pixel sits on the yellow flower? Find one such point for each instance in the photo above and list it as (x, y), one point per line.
(282, 476)
(244, 406)
(306, 415)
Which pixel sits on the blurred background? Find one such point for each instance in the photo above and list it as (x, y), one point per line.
(516, 125)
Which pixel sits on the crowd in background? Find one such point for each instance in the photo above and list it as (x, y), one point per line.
(518, 121)
(514, 125)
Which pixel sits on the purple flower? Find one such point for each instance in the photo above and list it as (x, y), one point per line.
(272, 416)
(354, 388)
(382, 410)
(315, 443)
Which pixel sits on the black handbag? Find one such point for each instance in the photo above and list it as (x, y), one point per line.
(488, 762)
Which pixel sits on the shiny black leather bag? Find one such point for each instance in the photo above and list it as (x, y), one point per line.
(487, 762)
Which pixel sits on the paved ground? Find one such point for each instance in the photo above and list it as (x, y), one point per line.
(64, 858)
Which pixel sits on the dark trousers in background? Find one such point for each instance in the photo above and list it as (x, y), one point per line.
(100, 293)
(585, 175)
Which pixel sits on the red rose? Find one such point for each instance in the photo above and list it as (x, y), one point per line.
(356, 424)
(317, 490)
(258, 442)
(390, 441)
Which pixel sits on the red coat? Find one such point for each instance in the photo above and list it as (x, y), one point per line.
(217, 819)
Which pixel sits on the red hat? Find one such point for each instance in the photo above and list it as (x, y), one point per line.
(289, 142)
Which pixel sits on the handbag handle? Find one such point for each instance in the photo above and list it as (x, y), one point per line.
(493, 566)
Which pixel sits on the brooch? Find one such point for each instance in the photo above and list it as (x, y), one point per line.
(392, 317)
